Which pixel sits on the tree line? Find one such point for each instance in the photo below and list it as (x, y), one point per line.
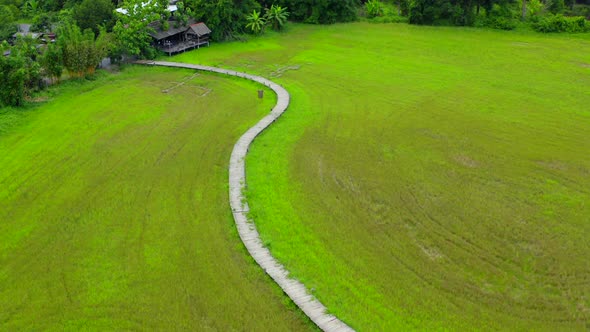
(540, 15)
(28, 64)
(28, 69)
(230, 18)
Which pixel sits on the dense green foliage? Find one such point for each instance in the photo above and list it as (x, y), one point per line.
(496, 14)
(132, 29)
(7, 22)
(276, 16)
(20, 73)
(560, 23)
(92, 14)
(321, 11)
(183, 13)
(23, 69)
(426, 178)
(81, 51)
(374, 8)
(12, 76)
(52, 62)
(256, 22)
(226, 18)
(43, 22)
(385, 12)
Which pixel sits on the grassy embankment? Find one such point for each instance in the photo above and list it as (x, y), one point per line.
(427, 178)
(114, 212)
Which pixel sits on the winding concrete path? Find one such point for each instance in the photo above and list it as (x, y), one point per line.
(313, 308)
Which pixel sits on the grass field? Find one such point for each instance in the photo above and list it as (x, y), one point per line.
(427, 178)
(114, 212)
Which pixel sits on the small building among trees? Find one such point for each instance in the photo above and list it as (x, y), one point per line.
(173, 37)
(172, 29)
(24, 31)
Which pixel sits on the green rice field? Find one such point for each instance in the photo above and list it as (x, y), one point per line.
(423, 178)
(427, 178)
(113, 202)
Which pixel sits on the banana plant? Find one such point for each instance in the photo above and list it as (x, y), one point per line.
(256, 22)
(30, 7)
(277, 16)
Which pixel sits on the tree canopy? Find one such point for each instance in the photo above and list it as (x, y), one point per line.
(132, 29)
(226, 18)
(7, 22)
(320, 11)
(92, 14)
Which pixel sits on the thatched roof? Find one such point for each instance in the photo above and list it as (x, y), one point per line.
(24, 27)
(199, 29)
(34, 35)
(158, 34)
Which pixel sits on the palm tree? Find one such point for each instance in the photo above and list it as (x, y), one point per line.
(255, 22)
(30, 7)
(277, 16)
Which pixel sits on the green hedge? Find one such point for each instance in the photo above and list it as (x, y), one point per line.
(560, 23)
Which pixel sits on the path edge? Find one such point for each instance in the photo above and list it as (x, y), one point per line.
(294, 289)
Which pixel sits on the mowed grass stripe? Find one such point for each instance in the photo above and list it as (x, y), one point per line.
(427, 178)
(114, 212)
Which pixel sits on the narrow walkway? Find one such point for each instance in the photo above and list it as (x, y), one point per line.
(313, 308)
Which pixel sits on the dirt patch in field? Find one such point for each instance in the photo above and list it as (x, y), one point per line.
(346, 182)
(281, 70)
(553, 165)
(521, 44)
(179, 84)
(38, 99)
(432, 253)
(247, 64)
(466, 161)
(431, 134)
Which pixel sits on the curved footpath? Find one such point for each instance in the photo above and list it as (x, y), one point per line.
(313, 308)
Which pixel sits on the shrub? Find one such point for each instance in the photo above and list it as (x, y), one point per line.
(91, 14)
(560, 23)
(555, 6)
(387, 13)
(276, 17)
(497, 22)
(320, 11)
(534, 7)
(52, 62)
(404, 7)
(256, 22)
(12, 75)
(580, 10)
(7, 24)
(441, 12)
(425, 11)
(499, 17)
(374, 8)
(42, 22)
